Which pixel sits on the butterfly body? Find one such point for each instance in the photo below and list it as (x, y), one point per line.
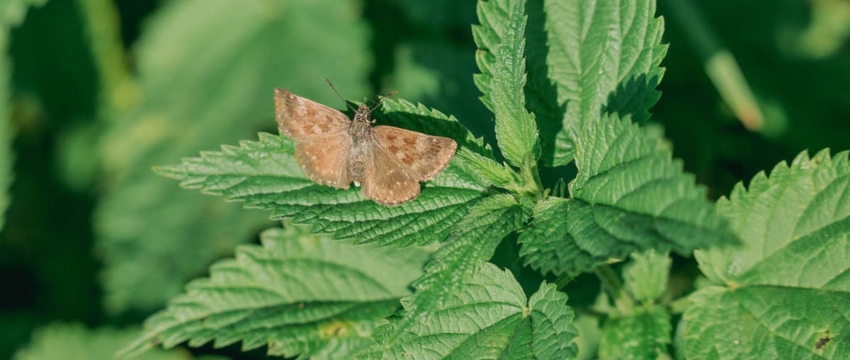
(362, 138)
(387, 162)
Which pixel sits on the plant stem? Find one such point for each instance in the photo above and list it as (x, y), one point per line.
(610, 281)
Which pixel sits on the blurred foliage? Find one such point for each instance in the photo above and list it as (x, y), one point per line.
(98, 91)
(200, 84)
(74, 341)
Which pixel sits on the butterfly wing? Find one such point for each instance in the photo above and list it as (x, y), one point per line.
(386, 181)
(325, 159)
(422, 156)
(321, 133)
(302, 119)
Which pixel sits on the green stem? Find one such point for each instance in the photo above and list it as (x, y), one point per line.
(614, 287)
(610, 281)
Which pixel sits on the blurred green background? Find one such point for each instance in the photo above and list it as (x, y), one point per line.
(93, 93)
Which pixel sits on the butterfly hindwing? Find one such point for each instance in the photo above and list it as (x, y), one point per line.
(423, 156)
(302, 119)
(386, 181)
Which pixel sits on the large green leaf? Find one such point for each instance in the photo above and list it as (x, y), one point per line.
(488, 316)
(629, 195)
(472, 243)
(206, 74)
(266, 175)
(785, 292)
(603, 58)
(298, 294)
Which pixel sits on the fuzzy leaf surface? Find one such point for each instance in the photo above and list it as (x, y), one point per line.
(489, 316)
(297, 294)
(603, 58)
(785, 291)
(629, 195)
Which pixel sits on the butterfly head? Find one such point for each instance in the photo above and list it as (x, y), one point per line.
(363, 114)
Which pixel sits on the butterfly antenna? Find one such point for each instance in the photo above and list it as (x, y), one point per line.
(340, 96)
(381, 100)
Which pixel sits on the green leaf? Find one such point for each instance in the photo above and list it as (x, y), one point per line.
(298, 294)
(645, 277)
(603, 58)
(488, 35)
(629, 196)
(472, 243)
(643, 334)
(11, 14)
(265, 175)
(786, 288)
(206, 74)
(500, 38)
(488, 317)
(516, 130)
(74, 341)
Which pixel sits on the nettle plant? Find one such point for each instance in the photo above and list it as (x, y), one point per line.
(566, 87)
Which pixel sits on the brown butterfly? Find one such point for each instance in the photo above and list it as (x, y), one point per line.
(332, 150)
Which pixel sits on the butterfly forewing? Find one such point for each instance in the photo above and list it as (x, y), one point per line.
(423, 156)
(302, 119)
(325, 161)
(386, 181)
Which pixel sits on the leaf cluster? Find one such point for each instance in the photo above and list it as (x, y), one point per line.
(557, 179)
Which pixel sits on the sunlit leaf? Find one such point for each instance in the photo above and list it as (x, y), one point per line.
(786, 288)
(487, 317)
(629, 196)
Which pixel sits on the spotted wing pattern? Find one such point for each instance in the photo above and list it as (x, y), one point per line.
(321, 135)
(325, 160)
(302, 119)
(423, 156)
(386, 181)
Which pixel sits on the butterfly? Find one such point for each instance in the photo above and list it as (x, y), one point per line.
(385, 161)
